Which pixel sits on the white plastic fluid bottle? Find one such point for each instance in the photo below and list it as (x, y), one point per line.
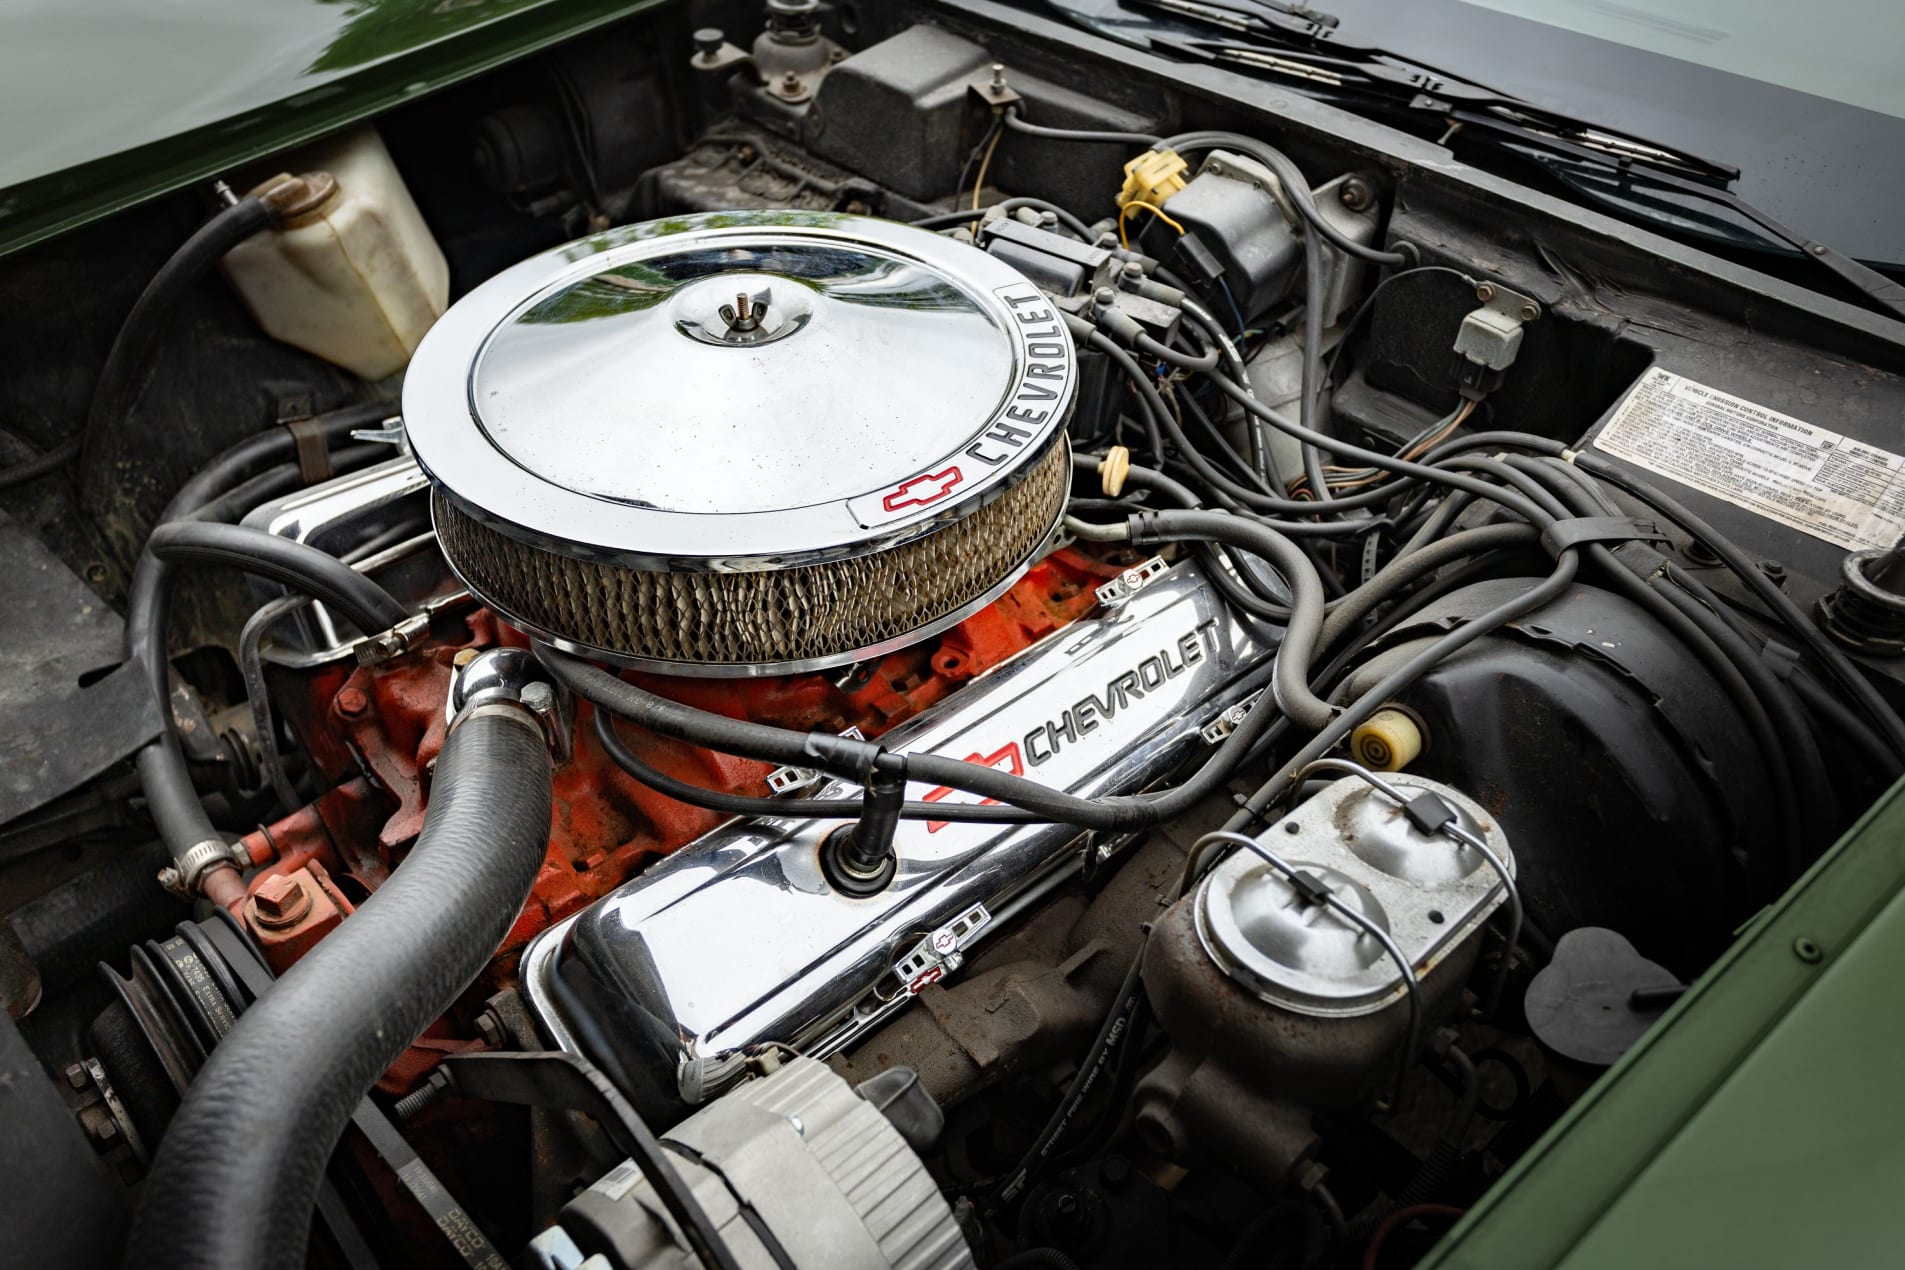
(353, 275)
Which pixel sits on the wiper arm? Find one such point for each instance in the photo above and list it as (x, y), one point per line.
(1875, 286)
(1367, 76)
(1307, 46)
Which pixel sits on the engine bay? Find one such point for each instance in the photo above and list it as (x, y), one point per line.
(898, 636)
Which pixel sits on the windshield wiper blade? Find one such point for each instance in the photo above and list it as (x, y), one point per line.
(1307, 47)
(1359, 81)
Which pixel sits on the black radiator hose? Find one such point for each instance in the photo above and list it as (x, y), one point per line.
(238, 1169)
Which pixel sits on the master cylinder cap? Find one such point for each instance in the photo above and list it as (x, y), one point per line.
(745, 443)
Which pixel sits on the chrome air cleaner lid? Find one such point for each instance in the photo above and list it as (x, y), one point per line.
(744, 442)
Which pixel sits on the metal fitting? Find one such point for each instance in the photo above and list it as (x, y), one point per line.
(376, 649)
(183, 876)
(513, 676)
(280, 902)
(1867, 612)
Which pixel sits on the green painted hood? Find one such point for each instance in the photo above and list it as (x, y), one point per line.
(105, 103)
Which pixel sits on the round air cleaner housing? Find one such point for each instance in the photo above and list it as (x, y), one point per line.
(745, 443)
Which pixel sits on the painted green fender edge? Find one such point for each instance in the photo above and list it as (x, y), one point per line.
(1761, 1123)
(382, 54)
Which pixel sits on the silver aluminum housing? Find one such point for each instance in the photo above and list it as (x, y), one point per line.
(737, 939)
(584, 401)
(1429, 893)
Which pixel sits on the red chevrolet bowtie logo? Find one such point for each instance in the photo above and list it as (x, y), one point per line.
(1008, 760)
(923, 490)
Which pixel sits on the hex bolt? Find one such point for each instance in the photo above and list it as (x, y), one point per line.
(790, 82)
(1485, 292)
(352, 701)
(490, 1029)
(76, 1075)
(1529, 313)
(279, 902)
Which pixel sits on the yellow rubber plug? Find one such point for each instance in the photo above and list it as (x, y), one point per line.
(1388, 742)
(1113, 468)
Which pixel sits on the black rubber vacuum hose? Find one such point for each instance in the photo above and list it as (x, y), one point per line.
(164, 776)
(237, 1172)
(297, 565)
(129, 361)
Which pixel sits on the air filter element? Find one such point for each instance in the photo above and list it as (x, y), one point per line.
(745, 443)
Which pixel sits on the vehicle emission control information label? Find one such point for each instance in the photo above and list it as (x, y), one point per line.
(1827, 485)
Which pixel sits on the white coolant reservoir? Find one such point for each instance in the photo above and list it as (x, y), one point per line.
(351, 273)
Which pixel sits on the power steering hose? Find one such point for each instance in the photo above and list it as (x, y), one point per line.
(238, 1170)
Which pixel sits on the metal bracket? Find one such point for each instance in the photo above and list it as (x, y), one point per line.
(389, 432)
(1229, 721)
(938, 955)
(1131, 581)
(791, 780)
(991, 88)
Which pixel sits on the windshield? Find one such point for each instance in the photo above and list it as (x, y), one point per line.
(1843, 50)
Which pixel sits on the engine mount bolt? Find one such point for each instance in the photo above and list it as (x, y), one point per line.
(352, 701)
(279, 902)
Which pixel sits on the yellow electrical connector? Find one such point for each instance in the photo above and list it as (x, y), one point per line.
(1152, 178)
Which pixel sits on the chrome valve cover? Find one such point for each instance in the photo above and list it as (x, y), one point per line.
(737, 939)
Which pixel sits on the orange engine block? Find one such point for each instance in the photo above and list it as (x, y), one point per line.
(373, 733)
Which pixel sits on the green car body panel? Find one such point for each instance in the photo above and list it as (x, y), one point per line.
(107, 103)
(1760, 1124)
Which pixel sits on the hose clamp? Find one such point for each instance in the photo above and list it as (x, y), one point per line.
(182, 877)
(512, 676)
